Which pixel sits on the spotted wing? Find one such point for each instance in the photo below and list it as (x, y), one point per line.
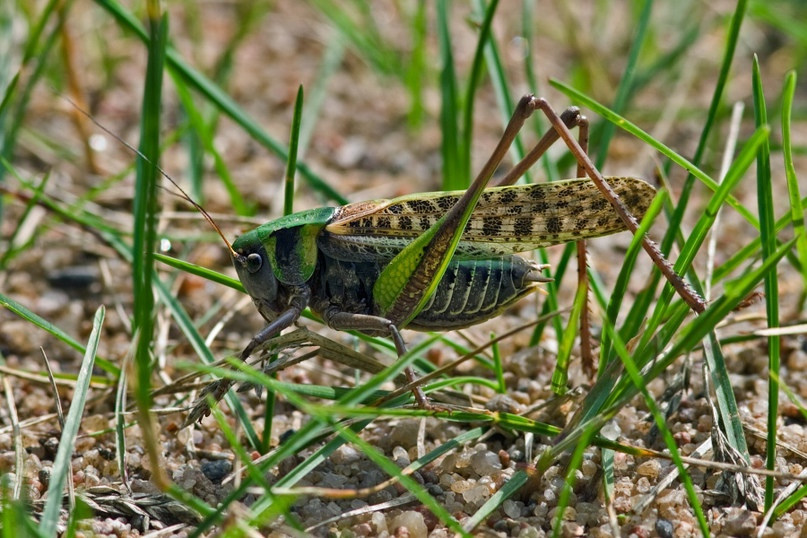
(505, 221)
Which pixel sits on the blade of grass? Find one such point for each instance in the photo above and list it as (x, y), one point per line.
(796, 211)
(255, 475)
(450, 150)
(291, 165)
(640, 384)
(623, 91)
(334, 54)
(198, 270)
(498, 77)
(408, 482)
(687, 339)
(37, 50)
(699, 234)
(566, 344)
(417, 67)
(734, 293)
(13, 248)
(187, 327)
(204, 135)
(527, 30)
(722, 79)
(768, 244)
(52, 329)
(63, 460)
(364, 36)
(474, 79)
(636, 316)
(145, 236)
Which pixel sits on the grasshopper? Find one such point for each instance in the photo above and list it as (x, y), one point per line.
(431, 261)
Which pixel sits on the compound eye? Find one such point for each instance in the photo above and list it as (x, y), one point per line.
(254, 263)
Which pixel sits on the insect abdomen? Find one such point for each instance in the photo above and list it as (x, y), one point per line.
(471, 291)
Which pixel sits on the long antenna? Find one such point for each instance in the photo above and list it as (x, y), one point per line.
(185, 195)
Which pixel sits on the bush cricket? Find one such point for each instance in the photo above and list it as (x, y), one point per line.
(429, 261)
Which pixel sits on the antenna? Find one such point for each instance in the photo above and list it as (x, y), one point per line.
(185, 195)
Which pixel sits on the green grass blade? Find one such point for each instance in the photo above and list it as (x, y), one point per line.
(252, 471)
(52, 329)
(640, 384)
(623, 91)
(13, 249)
(202, 133)
(38, 50)
(417, 67)
(408, 482)
(501, 86)
(187, 327)
(145, 230)
(291, 165)
(496, 500)
(474, 79)
(455, 177)
(693, 244)
(711, 115)
(198, 270)
(527, 34)
(638, 310)
(567, 340)
(63, 460)
(767, 235)
(796, 211)
(734, 293)
(334, 54)
(364, 35)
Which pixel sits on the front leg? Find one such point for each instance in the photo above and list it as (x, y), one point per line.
(298, 301)
(346, 321)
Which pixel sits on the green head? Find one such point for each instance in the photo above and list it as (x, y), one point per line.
(281, 253)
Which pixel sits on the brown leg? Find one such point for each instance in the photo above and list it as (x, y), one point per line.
(345, 321)
(571, 118)
(586, 353)
(690, 296)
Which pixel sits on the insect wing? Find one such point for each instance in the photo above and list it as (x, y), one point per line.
(505, 221)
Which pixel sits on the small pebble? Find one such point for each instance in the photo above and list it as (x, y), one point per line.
(461, 486)
(476, 494)
(379, 522)
(400, 456)
(650, 469)
(664, 528)
(740, 522)
(345, 455)
(529, 532)
(216, 470)
(512, 509)
(569, 514)
(412, 522)
(485, 463)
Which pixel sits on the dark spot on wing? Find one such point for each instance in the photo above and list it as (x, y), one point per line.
(554, 225)
(523, 227)
(491, 226)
